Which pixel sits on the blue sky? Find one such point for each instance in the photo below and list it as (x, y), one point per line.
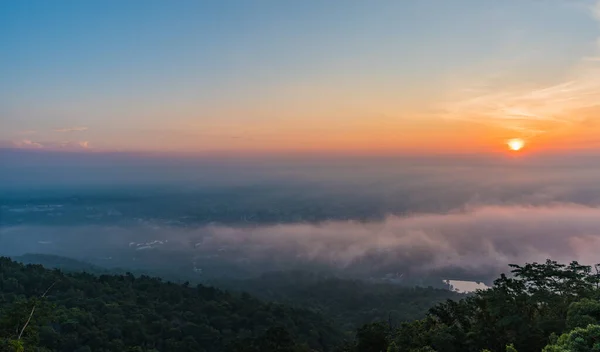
(128, 75)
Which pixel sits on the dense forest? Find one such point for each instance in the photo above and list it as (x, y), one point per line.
(350, 303)
(547, 307)
(83, 312)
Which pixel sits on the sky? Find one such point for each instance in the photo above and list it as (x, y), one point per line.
(308, 76)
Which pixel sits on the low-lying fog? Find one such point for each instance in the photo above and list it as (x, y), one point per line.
(456, 218)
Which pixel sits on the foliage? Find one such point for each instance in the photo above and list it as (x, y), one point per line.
(578, 340)
(583, 313)
(521, 312)
(547, 307)
(373, 337)
(128, 313)
(19, 323)
(275, 339)
(511, 348)
(350, 303)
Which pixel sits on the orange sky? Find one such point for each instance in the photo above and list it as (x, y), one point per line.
(460, 78)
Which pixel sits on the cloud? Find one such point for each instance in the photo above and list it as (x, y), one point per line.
(535, 110)
(482, 240)
(71, 129)
(68, 145)
(50, 145)
(470, 221)
(28, 144)
(475, 244)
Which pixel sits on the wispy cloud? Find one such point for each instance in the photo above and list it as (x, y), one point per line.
(49, 145)
(27, 144)
(71, 129)
(531, 111)
(69, 145)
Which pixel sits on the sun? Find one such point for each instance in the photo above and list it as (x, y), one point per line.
(515, 144)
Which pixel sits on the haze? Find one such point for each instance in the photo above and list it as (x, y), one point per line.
(364, 138)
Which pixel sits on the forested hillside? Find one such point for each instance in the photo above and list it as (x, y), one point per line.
(547, 307)
(350, 303)
(82, 312)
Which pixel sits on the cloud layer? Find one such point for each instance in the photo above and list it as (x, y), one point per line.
(482, 240)
(475, 244)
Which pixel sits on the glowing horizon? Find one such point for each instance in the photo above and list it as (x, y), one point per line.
(407, 77)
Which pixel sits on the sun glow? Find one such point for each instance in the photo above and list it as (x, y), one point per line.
(515, 144)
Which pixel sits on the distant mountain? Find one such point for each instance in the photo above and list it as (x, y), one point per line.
(51, 261)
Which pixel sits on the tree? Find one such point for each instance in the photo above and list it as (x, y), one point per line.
(19, 323)
(578, 340)
(520, 312)
(583, 313)
(122, 312)
(372, 338)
